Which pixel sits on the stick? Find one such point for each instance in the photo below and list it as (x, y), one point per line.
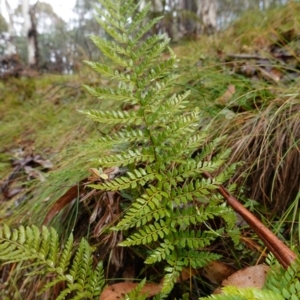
(283, 254)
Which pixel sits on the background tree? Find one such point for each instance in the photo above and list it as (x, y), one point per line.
(10, 30)
(208, 15)
(61, 45)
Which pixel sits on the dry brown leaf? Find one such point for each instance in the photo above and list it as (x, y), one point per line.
(251, 244)
(186, 274)
(273, 75)
(254, 276)
(217, 271)
(64, 200)
(34, 173)
(118, 291)
(225, 98)
(45, 163)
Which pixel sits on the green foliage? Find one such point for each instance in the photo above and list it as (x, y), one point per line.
(157, 146)
(235, 293)
(136, 293)
(39, 253)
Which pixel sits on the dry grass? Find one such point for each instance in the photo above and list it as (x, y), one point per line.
(268, 142)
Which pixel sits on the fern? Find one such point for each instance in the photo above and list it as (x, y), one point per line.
(40, 249)
(157, 146)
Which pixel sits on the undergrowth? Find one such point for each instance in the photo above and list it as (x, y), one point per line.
(151, 154)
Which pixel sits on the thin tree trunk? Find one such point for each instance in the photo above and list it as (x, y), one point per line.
(208, 15)
(30, 33)
(188, 19)
(267, 4)
(11, 49)
(33, 35)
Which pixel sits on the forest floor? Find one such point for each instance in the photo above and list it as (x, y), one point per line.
(248, 86)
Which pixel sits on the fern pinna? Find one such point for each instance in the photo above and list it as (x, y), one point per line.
(156, 147)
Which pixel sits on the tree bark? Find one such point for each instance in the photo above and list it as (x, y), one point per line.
(208, 15)
(11, 49)
(30, 33)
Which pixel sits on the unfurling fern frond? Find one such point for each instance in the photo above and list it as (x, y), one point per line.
(32, 247)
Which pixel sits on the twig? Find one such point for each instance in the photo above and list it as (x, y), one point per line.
(283, 254)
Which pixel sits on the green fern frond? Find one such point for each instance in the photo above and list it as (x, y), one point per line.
(173, 272)
(124, 137)
(285, 282)
(160, 253)
(139, 177)
(114, 117)
(40, 249)
(232, 292)
(120, 94)
(146, 208)
(156, 145)
(136, 293)
(196, 259)
(150, 233)
(194, 240)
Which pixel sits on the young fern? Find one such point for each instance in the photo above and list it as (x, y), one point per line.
(156, 146)
(39, 251)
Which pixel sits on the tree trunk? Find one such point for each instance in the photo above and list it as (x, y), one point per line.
(30, 33)
(187, 10)
(267, 4)
(207, 13)
(11, 49)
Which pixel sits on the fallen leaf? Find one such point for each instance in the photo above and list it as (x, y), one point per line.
(217, 271)
(186, 274)
(45, 163)
(225, 98)
(64, 200)
(34, 173)
(273, 75)
(251, 244)
(118, 291)
(254, 276)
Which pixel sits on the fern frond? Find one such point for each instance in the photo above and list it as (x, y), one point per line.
(172, 274)
(149, 233)
(112, 94)
(141, 51)
(40, 251)
(196, 190)
(194, 239)
(108, 72)
(232, 292)
(164, 175)
(285, 282)
(126, 158)
(124, 137)
(136, 293)
(114, 117)
(144, 29)
(160, 253)
(196, 259)
(146, 208)
(137, 177)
